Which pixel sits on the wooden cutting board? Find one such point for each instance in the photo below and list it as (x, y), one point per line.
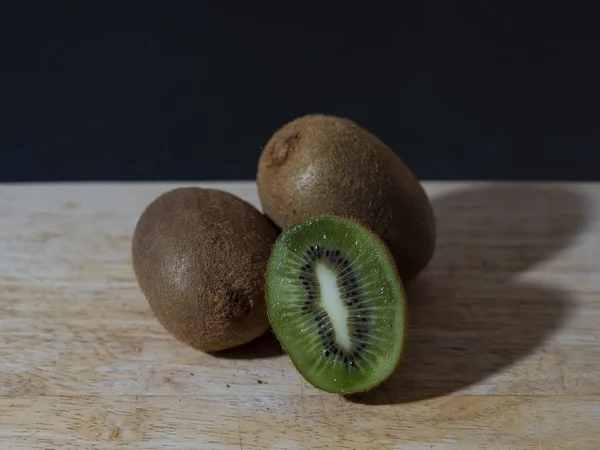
(503, 348)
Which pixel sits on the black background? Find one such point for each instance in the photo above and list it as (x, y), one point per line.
(184, 90)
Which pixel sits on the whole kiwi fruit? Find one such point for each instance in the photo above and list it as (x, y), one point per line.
(326, 165)
(200, 258)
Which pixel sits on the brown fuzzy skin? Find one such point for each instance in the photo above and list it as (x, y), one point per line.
(200, 257)
(326, 165)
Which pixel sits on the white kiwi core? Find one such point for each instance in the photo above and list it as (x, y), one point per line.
(333, 304)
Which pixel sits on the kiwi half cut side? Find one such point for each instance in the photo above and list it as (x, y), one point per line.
(336, 304)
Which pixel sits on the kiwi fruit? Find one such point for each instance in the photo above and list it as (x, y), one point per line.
(326, 165)
(336, 304)
(200, 258)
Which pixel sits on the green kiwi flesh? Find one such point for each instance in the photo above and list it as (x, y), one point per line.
(336, 304)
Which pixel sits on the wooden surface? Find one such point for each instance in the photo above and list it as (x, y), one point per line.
(503, 349)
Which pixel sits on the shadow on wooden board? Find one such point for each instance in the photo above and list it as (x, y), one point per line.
(265, 346)
(470, 314)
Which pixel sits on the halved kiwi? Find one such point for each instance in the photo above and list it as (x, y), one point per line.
(336, 304)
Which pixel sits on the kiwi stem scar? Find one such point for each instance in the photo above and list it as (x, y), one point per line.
(332, 303)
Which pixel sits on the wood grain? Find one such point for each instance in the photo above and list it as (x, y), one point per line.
(503, 344)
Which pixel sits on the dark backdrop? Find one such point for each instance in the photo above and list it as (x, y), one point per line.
(180, 90)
